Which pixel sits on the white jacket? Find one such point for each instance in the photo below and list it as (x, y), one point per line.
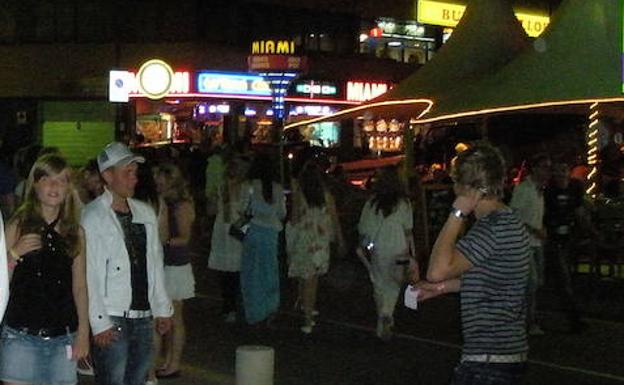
(108, 263)
(4, 274)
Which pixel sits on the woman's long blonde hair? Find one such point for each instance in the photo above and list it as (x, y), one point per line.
(28, 216)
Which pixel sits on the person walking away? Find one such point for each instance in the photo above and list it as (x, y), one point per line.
(127, 293)
(308, 237)
(387, 244)
(259, 266)
(489, 267)
(179, 279)
(46, 326)
(226, 250)
(528, 200)
(564, 215)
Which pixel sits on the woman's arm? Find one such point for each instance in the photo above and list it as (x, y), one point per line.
(185, 216)
(79, 289)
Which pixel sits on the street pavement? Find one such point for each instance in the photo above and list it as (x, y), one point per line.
(344, 350)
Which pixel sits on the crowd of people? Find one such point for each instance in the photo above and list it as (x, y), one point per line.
(98, 259)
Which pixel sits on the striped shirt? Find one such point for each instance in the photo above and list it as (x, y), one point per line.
(493, 292)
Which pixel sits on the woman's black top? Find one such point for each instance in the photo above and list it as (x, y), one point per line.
(41, 295)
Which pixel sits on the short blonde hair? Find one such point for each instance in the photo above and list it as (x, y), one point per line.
(482, 167)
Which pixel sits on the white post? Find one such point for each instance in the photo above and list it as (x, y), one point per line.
(255, 365)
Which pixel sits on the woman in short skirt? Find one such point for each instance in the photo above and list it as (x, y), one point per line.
(179, 280)
(46, 327)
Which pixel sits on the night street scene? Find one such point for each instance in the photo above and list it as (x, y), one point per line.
(312, 192)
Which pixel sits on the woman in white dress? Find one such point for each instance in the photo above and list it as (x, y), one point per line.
(387, 244)
(308, 235)
(226, 250)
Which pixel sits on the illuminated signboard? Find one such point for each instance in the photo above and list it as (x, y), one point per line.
(363, 91)
(151, 84)
(315, 89)
(231, 83)
(449, 14)
(273, 47)
(156, 79)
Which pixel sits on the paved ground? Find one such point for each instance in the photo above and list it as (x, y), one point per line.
(343, 349)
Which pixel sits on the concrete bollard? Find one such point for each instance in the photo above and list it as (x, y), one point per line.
(254, 365)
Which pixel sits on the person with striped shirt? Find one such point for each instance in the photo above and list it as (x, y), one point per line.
(489, 267)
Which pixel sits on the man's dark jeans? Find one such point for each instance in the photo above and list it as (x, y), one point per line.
(481, 373)
(127, 359)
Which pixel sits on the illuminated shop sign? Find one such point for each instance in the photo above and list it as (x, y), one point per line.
(315, 89)
(449, 14)
(312, 110)
(232, 83)
(363, 91)
(273, 47)
(154, 80)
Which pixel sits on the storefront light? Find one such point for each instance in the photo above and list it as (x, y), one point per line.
(394, 44)
(250, 112)
(363, 37)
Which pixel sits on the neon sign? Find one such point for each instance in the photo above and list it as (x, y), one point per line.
(315, 89)
(363, 91)
(232, 83)
(156, 80)
(273, 47)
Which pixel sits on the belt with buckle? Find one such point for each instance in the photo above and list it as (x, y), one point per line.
(44, 332)
(495, 358)
(132, 314)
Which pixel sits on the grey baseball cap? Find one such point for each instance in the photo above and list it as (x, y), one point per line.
(117, 154)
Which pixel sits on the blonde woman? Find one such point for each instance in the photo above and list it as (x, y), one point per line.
(308, 235)
(179, 280)
(225, 250)
(46, 325)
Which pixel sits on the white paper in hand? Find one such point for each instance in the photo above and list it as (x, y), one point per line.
(411, 297)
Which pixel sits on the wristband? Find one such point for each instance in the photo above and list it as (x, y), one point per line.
(457, 213)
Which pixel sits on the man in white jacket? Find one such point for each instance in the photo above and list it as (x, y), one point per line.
(124, 273)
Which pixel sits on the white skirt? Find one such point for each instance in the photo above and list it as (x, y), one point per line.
(180, 282)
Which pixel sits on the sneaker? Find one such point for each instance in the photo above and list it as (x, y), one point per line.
(85, 367)
(535, 330)
(230, 317)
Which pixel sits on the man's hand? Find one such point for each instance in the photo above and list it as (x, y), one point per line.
(80, 349)
(467, 200)
(105, 338)
(163, 325)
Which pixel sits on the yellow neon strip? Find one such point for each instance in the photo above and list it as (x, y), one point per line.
(592, 142)
(591, 188)
(365, 107)
(520, 108)
(592, 124)
(592, 151)
(594, 115)
(593, 172)
(593, 133)
(593, 106)
(592, 157)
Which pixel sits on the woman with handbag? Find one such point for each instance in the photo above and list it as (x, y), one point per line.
(387, 244)
(308, 237)
(259, 266)
(179, 279)
(226, 249)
